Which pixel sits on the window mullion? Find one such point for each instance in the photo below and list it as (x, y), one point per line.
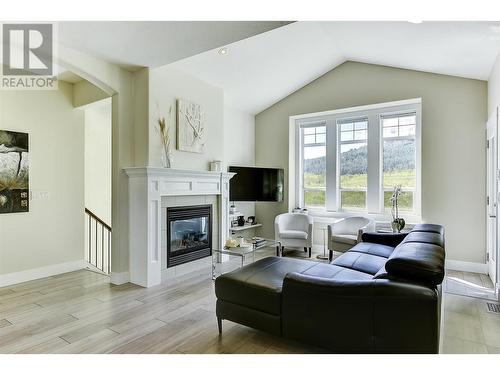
(299, 188)
(331, 165)
(374, 194)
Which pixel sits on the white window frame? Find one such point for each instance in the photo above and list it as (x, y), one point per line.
(374, 195)
(416, 197)
(300, 175)
(339, 143)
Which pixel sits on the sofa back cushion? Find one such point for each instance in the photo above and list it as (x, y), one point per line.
(431, 228)
(425, 237)
(420, 257)
(421, 262)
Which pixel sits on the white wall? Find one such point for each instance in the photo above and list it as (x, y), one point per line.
(453, 147)
(52, 232)
(165, 86)
(239, 137)
(230, 132)
(239, 146)
(98, 159)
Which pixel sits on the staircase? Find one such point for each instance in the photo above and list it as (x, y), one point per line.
(97, 243)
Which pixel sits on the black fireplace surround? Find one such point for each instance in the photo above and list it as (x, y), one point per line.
(189, 233)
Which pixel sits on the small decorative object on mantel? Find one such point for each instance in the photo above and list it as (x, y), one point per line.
(215, 166)
(14, 172)
(164, 130)
(190, 127)
(398, 223)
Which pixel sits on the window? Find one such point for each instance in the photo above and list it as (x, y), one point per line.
(314, 164)
(353, 163)
(350, 160)
(398, 132)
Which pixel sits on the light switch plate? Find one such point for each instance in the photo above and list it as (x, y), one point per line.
(40, 195)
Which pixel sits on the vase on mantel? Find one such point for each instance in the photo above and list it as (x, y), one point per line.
(166, 157)
(163, 128)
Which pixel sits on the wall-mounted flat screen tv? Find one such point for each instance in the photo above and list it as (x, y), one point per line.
(256, 184)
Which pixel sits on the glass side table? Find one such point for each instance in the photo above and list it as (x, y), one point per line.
(325, 241)
(249, 248)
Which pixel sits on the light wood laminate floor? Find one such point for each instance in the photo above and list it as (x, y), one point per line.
(80, 312)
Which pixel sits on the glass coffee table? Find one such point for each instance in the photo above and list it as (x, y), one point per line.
(249, 248)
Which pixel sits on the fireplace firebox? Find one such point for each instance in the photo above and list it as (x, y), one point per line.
(189, 234)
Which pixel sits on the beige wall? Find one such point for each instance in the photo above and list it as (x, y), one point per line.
(165, 86)
(453, 147)
(110, 80)
(52, 232)
(85, 93)
(117, 83)
(141, 116)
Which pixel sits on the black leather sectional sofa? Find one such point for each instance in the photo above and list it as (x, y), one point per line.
(382, 296)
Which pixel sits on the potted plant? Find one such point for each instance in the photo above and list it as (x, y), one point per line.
(397, 223)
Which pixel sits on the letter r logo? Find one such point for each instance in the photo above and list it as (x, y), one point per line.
(27, 49)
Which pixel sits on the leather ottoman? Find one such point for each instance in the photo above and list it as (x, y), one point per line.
(252, 295)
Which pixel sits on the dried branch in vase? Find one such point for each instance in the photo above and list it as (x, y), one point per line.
(163, 128)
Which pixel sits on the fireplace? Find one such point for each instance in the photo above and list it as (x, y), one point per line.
(189, 234)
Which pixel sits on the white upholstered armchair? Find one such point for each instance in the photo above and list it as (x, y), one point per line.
(345, 233)
(294, 230)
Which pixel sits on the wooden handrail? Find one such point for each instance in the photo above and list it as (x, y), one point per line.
(96, 218)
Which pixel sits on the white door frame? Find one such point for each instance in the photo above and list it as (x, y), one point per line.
(492, 179)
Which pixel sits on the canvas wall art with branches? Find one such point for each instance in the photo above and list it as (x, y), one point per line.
(190, 126)
(14, 172)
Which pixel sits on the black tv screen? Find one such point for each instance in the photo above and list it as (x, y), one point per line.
(256, 184)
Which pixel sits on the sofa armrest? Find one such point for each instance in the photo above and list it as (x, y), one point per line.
(388, 239)
(366, 316)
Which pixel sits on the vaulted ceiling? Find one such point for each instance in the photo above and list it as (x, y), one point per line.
(259, 71)
(137, 44)
(267, 61)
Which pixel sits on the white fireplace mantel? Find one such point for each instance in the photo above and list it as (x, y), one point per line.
(147, 185)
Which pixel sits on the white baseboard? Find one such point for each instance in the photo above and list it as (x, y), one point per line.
(458, 265)
(40, 273)
(119, 278)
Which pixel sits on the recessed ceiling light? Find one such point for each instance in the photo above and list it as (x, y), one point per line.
(222, 51)
(415, 21)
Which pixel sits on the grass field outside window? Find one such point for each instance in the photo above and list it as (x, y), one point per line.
(355, 199)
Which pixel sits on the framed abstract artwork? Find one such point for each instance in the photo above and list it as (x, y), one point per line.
(190, 126)
(14, 172)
